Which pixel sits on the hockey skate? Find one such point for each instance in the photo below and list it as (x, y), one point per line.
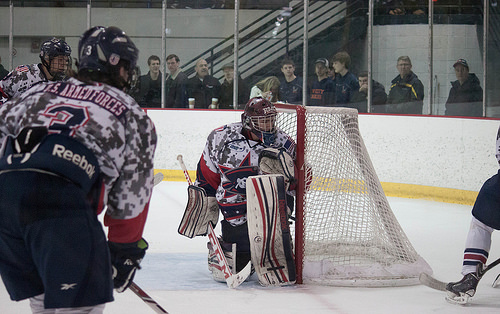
(459, 292)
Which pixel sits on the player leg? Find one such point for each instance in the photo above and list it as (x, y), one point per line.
(486, 218)
(37, 307)
(68, 256)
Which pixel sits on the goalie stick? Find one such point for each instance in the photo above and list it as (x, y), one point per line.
(433, 283)
(232, 280)
(134, 287)
(146, 298)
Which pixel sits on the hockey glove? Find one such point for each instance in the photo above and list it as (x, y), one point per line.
(125, 259)
(277, 161)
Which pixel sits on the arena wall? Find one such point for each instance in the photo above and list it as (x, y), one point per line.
(439, 158)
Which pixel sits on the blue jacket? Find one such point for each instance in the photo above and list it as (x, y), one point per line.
(345, 86)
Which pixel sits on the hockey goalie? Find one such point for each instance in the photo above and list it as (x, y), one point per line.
(247, 171)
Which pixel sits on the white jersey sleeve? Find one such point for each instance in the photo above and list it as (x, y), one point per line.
(20, 80)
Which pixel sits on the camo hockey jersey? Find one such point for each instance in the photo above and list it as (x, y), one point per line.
(109, 123)
(228, 159)
(20, 80)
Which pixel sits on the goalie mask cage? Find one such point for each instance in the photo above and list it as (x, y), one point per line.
(345, 231)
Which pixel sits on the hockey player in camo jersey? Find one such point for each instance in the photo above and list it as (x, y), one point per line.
(54, 57)
(70, 148)
(230, 156)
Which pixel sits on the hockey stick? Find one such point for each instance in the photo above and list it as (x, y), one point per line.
(433, 283)
(146, 298)
(133, 286)
(232, 280)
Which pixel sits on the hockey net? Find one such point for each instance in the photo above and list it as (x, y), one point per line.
(345, 231)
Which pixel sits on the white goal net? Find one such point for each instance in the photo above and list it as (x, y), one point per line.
(345, 231)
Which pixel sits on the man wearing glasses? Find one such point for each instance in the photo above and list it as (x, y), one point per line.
(406, 93)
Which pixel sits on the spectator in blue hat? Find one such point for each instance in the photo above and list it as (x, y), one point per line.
(466, 94)
(322, 90)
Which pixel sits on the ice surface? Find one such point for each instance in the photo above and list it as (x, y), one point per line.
(175, 270)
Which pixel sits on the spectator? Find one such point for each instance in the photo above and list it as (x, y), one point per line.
(406, 93)
(3, 71)
(291, 85)
(466, 94)
(136, 74)
(402, 7)
(149, 85)
(322, 90)
(54, 57)
(359, 98)
(268, 88)
(345, 82)
(227, 88)
(203, 87)
(331, 72)
(175, 85)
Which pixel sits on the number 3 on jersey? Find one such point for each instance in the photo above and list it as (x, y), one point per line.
(66, 118)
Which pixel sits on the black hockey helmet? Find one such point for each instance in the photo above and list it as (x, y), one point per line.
(105, 50)
(53, 48)
(259, 118)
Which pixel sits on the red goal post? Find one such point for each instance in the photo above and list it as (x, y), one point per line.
(345, 231)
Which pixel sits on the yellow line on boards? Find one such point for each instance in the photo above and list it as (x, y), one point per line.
(391, 189)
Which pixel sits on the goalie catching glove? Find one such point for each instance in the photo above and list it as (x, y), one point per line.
(277, 161)
(125, 259)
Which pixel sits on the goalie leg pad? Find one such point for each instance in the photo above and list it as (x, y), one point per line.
(200, 209)
(269, 232)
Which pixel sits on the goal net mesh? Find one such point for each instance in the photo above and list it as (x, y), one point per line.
(349, 233)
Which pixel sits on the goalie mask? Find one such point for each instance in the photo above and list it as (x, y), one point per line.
(106, 50)
(55, 55)
(259, 119)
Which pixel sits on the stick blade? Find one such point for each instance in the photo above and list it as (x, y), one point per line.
(158, 178)
(237, 279)
(432, 282)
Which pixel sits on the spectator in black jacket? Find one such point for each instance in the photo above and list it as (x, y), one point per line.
(3, 71)
(203, 87)
(359, 98)
(466, 94)
(175, 84)
(149, 85)
(406, 94)
(227, 87)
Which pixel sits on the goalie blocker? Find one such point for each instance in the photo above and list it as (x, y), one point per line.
(199, 211)
(268, 229)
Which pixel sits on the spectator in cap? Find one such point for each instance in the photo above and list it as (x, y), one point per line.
(322, 90)
(346, 83)
(466, 94)
(227, 87)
